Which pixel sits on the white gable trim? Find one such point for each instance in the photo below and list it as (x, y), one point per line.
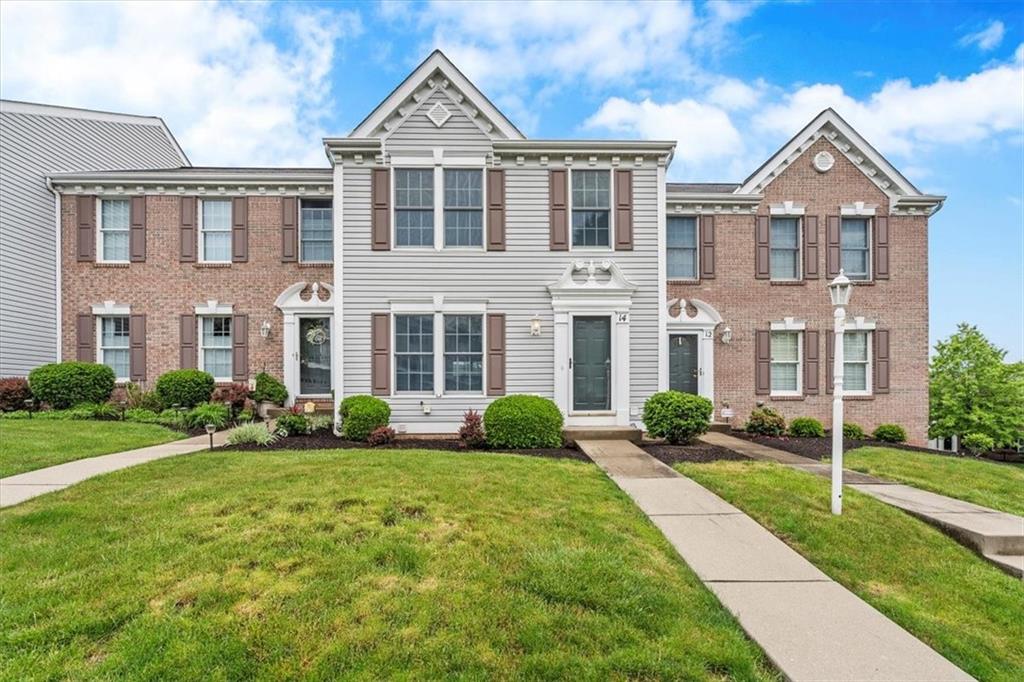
(392, 125)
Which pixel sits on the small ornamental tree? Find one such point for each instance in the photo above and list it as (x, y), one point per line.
(973, 390)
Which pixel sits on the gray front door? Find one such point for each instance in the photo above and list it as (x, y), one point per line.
(591, 364)
(682, 362)
(314, 355)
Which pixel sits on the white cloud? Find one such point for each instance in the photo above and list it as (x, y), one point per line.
(732, 94)
(987, 38)
(229, 93)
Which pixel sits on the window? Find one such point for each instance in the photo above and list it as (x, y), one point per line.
(414, 353)
(785, 248)
(856, 361)
(114, 345)
(414, 207)
(316, 243)
(786, 348)
(682, 248)
(855, 242)
(463, 353)
(215, 346)
(215, 231)
(463, 208)
(114, 219)
(591, 207)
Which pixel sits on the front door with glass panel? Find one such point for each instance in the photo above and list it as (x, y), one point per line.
(314, 355)
(591, 364)
(682, 363)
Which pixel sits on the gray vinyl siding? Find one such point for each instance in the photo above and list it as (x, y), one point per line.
(418, 132)
(31, 147)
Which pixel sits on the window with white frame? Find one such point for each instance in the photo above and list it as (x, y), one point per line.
(414, 353)
(857, 362)
(114, 345)
(215, 346)
(215, 231)
(463, 207)
(113, 233)
(463, 353)
(591, 208)
(414, 207)
(785, 248)
(682, 247)
(855, 247)
(316, 231)
(786, 354)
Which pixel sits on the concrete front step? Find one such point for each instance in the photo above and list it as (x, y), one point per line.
(1011, 563)
(575, 434)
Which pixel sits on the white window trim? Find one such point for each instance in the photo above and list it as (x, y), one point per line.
(315, 262)
(869, 377)
(799, 247)
(100, 231)
(214, 308)
(201, 348)
(858, 208)
(870, 248)
(100, 350)
(696, 259)
(788, 324)
(799, 361)
(111, 309)
(199, 232)
(611, 212)
(787, 208)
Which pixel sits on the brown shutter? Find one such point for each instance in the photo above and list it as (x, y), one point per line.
(187, 356)
(762, 362)
(762, 247)
(86, 230)
(811, 363)
(558, 208)
(623, 210)
(137, 233)
(830, 360)
(832, 257)
(239, 229)
(495, 209)
(187, 234)
(85, 330)
(240, 347)
(811, 257)
(380, 360)
(707, 247)
(882, 247)
(881, 360)
(496, 354)
(380, 219)
(137, 347)
(289, 229)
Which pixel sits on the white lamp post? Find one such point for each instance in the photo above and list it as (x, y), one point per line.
(839, 291)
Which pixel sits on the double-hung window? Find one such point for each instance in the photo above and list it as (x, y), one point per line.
(785, 363)
(215, 346)
(463, 207)
(414, 207)
(591, 208)
(463, 353)
(857, 362)
(113, 232)
(215, 231)
(114, 342)
(855, 248)
(414, 353)
(682, 247)
(785, 249)
(316, 243)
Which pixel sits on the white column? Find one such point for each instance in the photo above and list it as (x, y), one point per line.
(289, 339)
(706, 364)
(561, 362)
(621, 368)
(837, 413)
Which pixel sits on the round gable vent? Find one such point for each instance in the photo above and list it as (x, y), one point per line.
(823, 161)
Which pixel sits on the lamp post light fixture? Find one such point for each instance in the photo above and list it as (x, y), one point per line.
(839, 291)
(210, 428)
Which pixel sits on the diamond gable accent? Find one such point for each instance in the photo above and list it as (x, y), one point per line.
(439, 114)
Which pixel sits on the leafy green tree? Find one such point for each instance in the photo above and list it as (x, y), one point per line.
(974, 390)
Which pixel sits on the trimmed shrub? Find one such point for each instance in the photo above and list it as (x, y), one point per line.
(677, 417)
(291, 424)
(890, 433)
(471, 433)
(319, 422)
(251, 433)
(853, 431)
(184, 387)
(14, 391)
(806, 427)
(765, 421)
(268, 389)
(140, 414)
(65, 384)
(208, 413)
(978, 443)
(523, 421)
(361, 415)
(381, 436)
(236, 394)
(135, 397)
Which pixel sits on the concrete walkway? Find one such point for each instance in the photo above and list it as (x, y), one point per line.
(810, 627)
(20, 487)
(996, 535)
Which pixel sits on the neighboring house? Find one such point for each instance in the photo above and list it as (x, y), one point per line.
(35, 141)
(445, 259)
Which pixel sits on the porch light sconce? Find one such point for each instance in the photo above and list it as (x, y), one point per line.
(727, 335)
(264, 329)
(535, 326)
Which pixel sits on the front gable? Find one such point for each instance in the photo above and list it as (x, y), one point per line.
(439, 120)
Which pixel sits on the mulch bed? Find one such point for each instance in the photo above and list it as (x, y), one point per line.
(697, 452)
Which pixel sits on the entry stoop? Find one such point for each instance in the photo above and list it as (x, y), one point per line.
(578, 433)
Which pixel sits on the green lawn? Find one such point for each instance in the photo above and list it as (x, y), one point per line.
(358, 564)
(959, 604)
(990, 484)
(29, 444)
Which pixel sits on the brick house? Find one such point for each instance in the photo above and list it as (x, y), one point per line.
(444, 259)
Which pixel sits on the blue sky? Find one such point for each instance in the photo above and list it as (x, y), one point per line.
(938, 87)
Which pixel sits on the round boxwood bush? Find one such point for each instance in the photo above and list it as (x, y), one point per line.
(978, 443)
(66, 384)
(523, 421)
(361, 415)
(184, 387)
(677, 417)
(853, 431)
(806, 427)
(890, 433)
(764, 421)
(269, 390)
